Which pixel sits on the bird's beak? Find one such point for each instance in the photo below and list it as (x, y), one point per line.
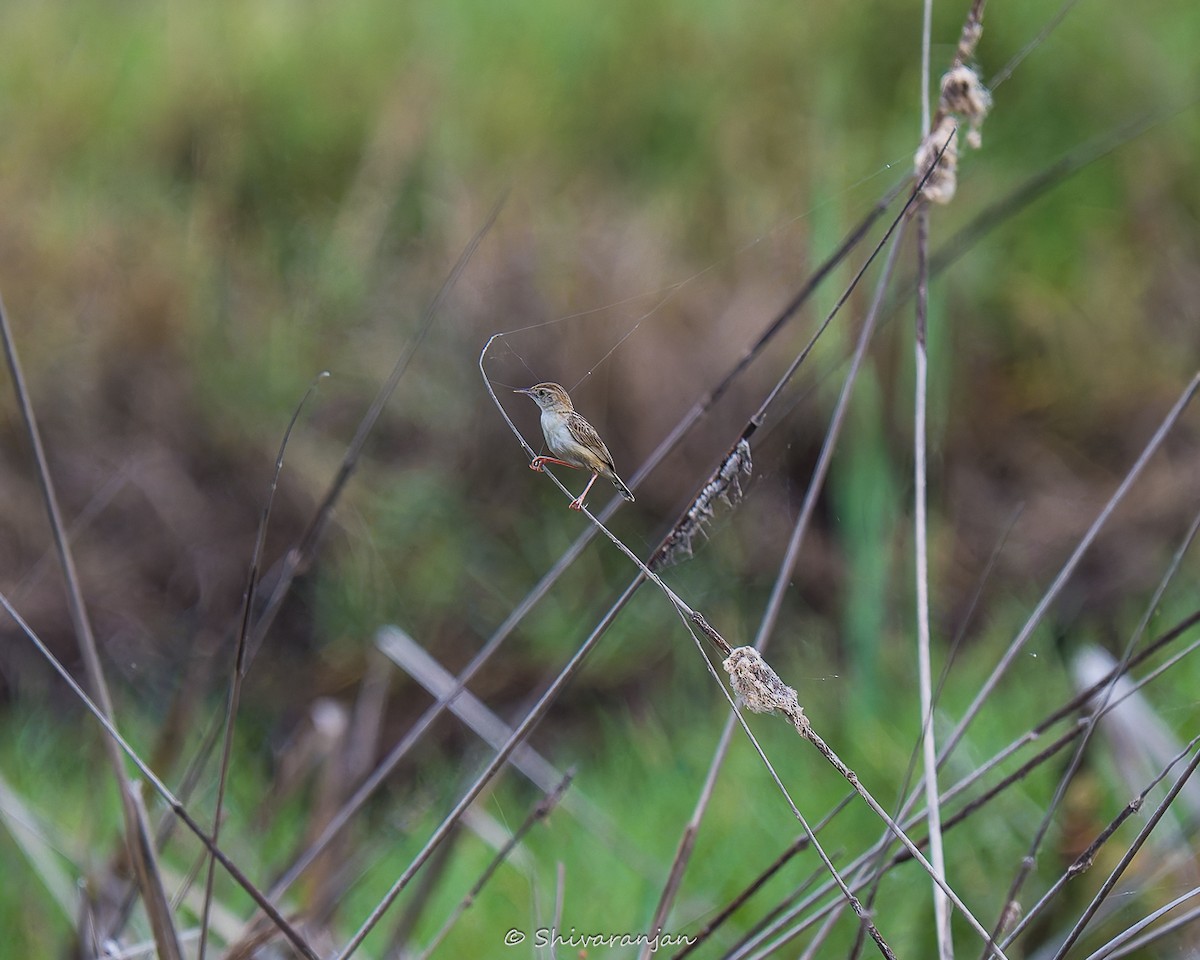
(524, 390)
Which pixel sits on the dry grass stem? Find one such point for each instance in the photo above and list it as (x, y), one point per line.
(1084, 861)
(1178, 631)
(687, 839)
(805, 730)
(764, 692)
(1035, 618)
(1134, 943)
(161, 788)
(790, 310)
(425, 722)
(1119, 870)
(237, 672)
(737, 462)
(138, 845)
(678, 543)
(532, 718)
(877, 874)
(760, 688)
(727, 911)
(1122, 944)
(1075, 702)
(399, 648)
(301, 555)
(921, 575)
(697, 412)
(690, 617)
(1032, 189)
(937, 160)
(539, 813)
(1007, 70)
(782, 579)
(424, 891)
(1097, 709)
(723, 481)
(828, 446)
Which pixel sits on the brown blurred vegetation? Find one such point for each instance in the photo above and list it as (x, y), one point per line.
(206, 206)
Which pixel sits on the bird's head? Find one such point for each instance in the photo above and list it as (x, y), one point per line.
(548, 396)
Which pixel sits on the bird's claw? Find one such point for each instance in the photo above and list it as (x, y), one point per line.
(536, 464)
(576, 504)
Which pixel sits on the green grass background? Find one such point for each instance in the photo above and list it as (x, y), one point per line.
(206, 205)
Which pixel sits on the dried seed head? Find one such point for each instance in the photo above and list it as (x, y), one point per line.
(966, 100)
(943, 181)
(759, 686)
(724, 485)
(964, 94)
(972, 31)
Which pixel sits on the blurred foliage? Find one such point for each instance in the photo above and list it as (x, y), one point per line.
(206, 205)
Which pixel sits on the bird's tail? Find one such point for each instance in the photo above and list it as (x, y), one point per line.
(624, 490)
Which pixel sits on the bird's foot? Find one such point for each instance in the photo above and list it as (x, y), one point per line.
(576, 504)
(538, 462)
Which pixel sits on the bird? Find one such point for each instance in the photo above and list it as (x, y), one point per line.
(573, 441)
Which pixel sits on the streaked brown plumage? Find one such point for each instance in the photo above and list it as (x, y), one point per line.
(573, 441)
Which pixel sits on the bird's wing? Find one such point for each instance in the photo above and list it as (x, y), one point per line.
(586, 436)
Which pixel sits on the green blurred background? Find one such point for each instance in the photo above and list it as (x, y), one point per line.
(205, 205)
